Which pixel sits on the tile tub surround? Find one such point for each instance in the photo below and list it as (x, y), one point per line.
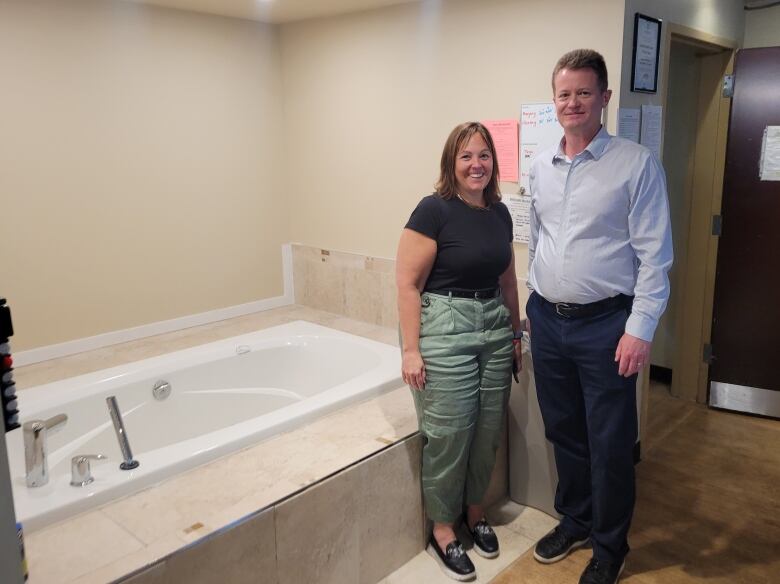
(368, 523)
(126, 535)
(357, 286)
(135, 531)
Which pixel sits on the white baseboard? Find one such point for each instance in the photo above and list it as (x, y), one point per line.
(39, 354)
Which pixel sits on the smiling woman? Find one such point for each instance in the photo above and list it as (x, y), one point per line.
(473, 171)
(457, 303)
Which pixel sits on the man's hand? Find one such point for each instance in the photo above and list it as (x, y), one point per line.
(633, 354)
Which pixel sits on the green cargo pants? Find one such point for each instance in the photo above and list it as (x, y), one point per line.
(466, 345)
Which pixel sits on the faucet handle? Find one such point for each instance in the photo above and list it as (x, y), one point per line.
(55, 421)
(49, 424)
(80, 471)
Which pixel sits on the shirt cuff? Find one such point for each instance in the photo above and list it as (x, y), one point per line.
(641, 327)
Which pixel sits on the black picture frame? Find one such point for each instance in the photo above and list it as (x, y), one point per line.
(644, 59)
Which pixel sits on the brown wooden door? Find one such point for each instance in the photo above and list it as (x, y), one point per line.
(745, 372)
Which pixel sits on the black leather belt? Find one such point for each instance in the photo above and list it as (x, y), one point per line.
(476, 294)
(569, 310)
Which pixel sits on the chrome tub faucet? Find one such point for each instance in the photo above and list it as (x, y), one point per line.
(34, 433)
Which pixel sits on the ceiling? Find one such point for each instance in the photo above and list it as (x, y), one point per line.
(273, 11)
(279, 11)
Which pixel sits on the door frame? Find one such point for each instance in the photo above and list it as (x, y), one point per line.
(694, 292)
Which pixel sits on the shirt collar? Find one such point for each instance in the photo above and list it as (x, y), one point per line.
(596, 147)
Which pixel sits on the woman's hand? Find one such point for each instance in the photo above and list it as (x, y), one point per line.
(517, 360)
(413, 370)
(517, 355)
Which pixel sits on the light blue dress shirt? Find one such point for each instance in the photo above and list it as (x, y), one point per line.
(600, 227)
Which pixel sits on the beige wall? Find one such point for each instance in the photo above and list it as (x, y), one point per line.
(720, 18)
(371, 97)
(762, 28)
(141, 165)
(152, 157)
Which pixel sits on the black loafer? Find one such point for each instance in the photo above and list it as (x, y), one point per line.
(555, 546)
(454, 562)
(601, 572)
(485, 540)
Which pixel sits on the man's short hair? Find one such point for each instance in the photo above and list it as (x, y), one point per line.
(583, 59)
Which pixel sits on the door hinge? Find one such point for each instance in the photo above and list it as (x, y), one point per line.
(717, 225)
(706, 354)
(728, 86)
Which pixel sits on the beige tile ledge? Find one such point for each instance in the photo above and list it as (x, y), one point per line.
(125, 535)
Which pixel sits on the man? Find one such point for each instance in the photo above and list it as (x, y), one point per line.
(599, 254)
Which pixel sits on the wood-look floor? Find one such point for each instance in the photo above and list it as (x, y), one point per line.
(708, 503)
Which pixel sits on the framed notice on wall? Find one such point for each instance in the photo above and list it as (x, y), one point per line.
(644, 62)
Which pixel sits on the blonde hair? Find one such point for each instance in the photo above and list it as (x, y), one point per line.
(447, 185)
(583, 59)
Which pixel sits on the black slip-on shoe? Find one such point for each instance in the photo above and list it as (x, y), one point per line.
(453, 561)
(555, 546)
(601, 572)
(485, 540)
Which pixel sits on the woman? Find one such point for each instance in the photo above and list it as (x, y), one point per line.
(458, 308)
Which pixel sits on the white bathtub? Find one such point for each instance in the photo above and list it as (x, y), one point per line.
(225, 395)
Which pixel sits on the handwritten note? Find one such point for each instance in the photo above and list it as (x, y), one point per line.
(504, 133)
(539, 130)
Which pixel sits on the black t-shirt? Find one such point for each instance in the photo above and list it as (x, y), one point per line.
(474, 246)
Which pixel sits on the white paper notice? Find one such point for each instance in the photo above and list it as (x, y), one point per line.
(770, 154)
(628, 124)
(519, 208)
(652, 128)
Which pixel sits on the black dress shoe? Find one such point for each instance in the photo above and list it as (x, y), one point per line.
(453, 561)
(601, 572)
(555, 546)
(485, 540)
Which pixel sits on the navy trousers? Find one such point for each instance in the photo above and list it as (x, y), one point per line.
(589, 414)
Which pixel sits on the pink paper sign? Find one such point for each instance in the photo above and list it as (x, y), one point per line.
(504, 133)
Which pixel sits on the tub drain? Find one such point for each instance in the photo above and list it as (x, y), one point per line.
(161, 390)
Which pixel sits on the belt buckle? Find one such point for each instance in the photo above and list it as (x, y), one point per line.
(562, 306)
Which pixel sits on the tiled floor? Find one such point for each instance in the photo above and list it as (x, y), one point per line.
(517, 528)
